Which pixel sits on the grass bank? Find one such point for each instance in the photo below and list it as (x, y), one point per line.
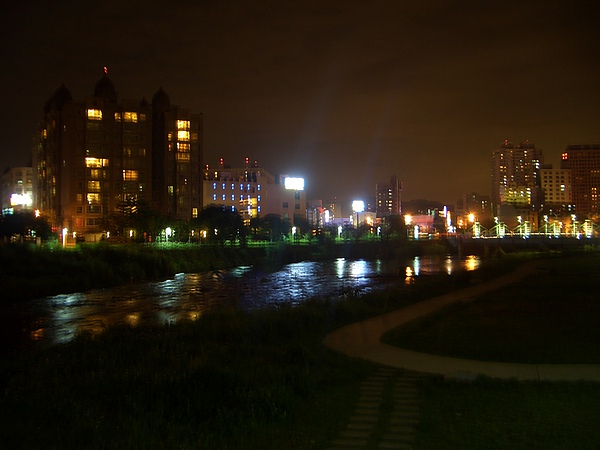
(549, 317)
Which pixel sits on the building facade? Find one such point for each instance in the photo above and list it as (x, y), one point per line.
(388, 198)
(254, 192)
(101, 156)
(516, 175)
(557, 187)
(584, 163)
(17, 190)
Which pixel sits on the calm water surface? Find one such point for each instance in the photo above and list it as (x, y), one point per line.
(186, 296)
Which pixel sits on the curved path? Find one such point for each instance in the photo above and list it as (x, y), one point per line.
(362, 340)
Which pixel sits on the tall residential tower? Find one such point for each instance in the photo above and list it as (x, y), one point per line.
(101, 156)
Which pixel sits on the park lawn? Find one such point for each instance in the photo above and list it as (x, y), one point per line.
(550, 317)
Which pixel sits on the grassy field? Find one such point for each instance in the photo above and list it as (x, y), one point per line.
(551, 317)
(263, 380)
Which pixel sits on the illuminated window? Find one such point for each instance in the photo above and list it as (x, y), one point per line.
(170, 136)
(233, 197)
(94, 114)
(258, 187)
(214, 186)
(130, 175)
(232, 186)
(96, 162)
(215, 197)
(258, 198)
(232, 208)
(183, 124)
(170, 190)
(117, 117)
(183, 147)
(223, 186)
(241, 198)
(95, 173)
(183, 135)
(79, 198)
(258, 208)
(130, 117)
(183, 157)
(223, 197)
(93, 185)
(93, 198)
(241, 187)
(194, 212)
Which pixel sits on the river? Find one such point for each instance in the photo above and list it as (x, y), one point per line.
(59, 318)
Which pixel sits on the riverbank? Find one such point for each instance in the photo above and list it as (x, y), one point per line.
(33, 272)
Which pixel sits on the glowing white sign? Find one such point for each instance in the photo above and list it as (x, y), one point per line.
(296, 184)
(21, 200)
(358, 206)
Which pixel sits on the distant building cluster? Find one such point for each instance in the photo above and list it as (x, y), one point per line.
(102, 156)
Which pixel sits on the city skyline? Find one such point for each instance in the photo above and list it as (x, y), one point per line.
(344, 96)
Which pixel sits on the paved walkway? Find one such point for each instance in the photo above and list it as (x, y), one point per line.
(362, 340)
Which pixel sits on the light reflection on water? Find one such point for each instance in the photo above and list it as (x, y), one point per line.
(187, 296)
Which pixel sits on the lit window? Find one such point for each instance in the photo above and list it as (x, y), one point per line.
(183, 124)
(232, 186)
(130, 175)
(94, 114)
(223, 186)
(215, 197)
(117, 117)
(214, 186)
(233, 197)
(258, 208)
(223, 197)
(93, 185)
(258, 198)
(232, 208)
(241, 198)
(93, 198)
(170, 190)
(248, 186)
(183, 135)
(241, 187)
(95, 173)
(194, 212)
(96, 162)
(183, 147)
(258, 187)
(183, 157)
(130, 117)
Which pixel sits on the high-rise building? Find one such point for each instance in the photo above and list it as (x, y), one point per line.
(101, 156)
(17, 190)
(584, 164)
(557, 187)
(387, 198)
(515, 175)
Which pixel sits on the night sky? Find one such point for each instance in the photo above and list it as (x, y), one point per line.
(344, 94)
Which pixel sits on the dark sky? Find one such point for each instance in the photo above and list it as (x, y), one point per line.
(343, 93)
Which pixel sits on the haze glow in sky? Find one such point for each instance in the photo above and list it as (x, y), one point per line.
(344, 94)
